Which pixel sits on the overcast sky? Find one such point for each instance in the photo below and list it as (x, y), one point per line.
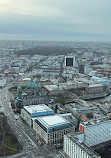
(81, 20)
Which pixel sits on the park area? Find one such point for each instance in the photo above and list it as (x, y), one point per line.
(9, 144)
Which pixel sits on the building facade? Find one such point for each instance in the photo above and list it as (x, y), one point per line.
(32, 111)
(75, 148)
(54, 90)
(95, 88)
(52, 128)
(70, 60)
(96, 131)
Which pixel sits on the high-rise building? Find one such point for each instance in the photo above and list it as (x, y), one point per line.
(70, 61)
(52, 128)
(75, 148)
(92, 133)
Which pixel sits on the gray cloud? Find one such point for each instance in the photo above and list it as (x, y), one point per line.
(56, 19)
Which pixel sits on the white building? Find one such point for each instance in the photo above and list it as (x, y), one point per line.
(26, 79)
(32, 111)
(75, 148)
(96, 131)
(52, 128)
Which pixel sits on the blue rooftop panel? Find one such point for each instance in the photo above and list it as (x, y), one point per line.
(42, 113)
(86, 108)
(100, 79)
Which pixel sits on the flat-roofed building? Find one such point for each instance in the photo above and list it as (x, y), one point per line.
(54, 90)
(29, 112)
(52, 128)
(70, 60)
(104, 82)
(95, 88)
(96, 131)
(75, 148)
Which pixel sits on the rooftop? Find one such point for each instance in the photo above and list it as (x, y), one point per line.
(86, 108)
(26, 79)
(53, 87)
(84, 147)
(101, 79)
(82, 108)
(95, 85)
(53, 120)
(96, 121)
(37, 108)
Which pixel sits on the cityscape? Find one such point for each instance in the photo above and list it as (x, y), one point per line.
(56, 104)
(55, 79)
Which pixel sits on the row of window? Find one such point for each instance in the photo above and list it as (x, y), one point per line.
(74, 150)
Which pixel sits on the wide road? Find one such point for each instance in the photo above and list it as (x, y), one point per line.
(24, 133)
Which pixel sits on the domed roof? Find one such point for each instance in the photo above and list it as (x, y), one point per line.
(24, 94)
(33, 85)
(19, 88)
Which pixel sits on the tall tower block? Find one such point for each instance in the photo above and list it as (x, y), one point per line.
(70, 61)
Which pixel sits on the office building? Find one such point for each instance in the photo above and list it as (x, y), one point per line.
(75, 148)
(70, 61)
(32, 111)
(96, 131)
(52, 128)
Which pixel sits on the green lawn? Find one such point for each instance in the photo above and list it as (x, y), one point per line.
(62, 100)
(10, 141)
(7, 152)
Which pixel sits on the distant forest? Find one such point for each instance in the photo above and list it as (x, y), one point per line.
(46, 50)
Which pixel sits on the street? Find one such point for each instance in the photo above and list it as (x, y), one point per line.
(24, 133)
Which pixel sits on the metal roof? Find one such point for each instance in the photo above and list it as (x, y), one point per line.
(34, 109)
(52, 121)
(101, 79)
(86, 108)
(82, 145)
(96, 121)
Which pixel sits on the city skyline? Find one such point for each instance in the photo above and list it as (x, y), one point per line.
(55, 20)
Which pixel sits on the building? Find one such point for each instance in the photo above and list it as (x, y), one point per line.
(74, 84)
(53, 90)
(104, 82)
(81, 68)
(33, 88)
(52, 128)
(96, 131)
(2, 83)
(92, 133)
(44, 81)
(93, 73)
(95, 88)
(32, 111)
(83, 111)
(19, 92)
(70, 118)
(75, 148)
(70, 60)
